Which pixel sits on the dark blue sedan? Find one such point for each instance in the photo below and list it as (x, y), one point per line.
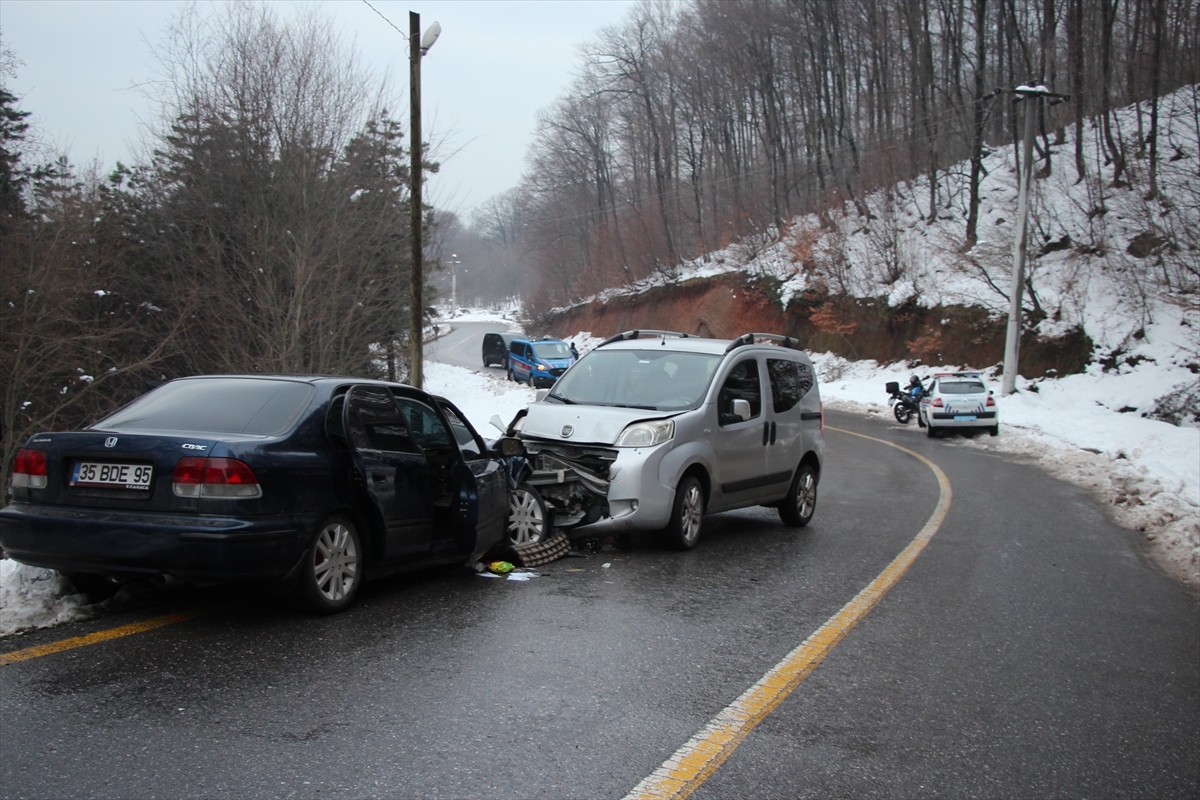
(313, 480)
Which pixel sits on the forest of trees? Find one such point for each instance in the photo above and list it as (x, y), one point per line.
(694, 124)
(265, 230)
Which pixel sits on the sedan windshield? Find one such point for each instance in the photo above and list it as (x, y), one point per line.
(549, 350)
(651, 379)
(215, 405)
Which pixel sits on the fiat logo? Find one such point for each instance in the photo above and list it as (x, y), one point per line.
(567, 431)
(110, 441)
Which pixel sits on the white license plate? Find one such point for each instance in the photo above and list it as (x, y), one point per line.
(965, 417)
(117, 476)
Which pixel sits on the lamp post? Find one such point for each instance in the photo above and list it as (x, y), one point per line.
(417, 47)
(1012, 339)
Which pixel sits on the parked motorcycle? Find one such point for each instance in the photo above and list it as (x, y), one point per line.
(907, 402)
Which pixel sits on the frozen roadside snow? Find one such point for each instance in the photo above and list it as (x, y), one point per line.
(1145, 471)
(32, 597)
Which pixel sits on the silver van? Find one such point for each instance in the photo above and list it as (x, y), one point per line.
(653, 429)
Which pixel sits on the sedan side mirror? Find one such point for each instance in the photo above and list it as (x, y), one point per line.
(510, 447)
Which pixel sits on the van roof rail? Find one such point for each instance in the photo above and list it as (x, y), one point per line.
(620, 337)
(764, 338)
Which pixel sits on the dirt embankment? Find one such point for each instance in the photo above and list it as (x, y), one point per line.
(729, 305)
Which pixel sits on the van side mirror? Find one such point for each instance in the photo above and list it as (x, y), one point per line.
(541, 394)
(741, 409)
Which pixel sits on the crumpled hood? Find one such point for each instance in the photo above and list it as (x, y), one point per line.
(589, 424)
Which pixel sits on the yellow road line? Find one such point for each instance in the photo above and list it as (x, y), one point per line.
(95, 638)
(692, 764)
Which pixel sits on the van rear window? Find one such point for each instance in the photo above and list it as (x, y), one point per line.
(253, 406)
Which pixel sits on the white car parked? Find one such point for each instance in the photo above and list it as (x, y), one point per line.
(959, 400)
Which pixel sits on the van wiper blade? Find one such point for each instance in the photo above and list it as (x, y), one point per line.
(560, 398)
(640, 408)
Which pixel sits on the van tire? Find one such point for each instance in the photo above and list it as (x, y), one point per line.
(683, 531)
(798, 507)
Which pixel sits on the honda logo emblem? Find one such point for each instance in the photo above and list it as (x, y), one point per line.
(110, 441)
(567, 430)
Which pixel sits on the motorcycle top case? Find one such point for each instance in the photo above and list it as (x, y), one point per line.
(893, 387)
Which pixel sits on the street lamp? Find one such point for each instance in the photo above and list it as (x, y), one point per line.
(417, 47)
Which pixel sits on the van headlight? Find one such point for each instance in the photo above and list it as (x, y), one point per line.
(647, 434)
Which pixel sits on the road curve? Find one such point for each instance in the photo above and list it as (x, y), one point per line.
(1029, 651)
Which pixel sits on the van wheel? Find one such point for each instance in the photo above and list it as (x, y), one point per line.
(683, 531)
(333, 567)
(527, 517)
(797, 508)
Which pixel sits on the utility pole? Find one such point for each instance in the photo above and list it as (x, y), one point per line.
(417, 47)
(1012, 340)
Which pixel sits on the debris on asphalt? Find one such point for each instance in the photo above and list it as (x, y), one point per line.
(500, 567)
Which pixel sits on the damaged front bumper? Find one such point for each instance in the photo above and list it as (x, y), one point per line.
(582, 485)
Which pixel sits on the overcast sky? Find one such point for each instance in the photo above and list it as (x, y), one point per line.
(496, 63)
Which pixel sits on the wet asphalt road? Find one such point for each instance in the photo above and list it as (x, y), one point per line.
(1029, 652)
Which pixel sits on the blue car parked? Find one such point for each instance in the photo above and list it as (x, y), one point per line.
(539, 362)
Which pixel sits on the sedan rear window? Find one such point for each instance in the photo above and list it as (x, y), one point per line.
(961, 387)
(215, 405)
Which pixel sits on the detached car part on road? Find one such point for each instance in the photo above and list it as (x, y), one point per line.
(317, 481)
(652, 429)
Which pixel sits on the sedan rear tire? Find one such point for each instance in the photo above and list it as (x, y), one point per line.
(683, 531)
(333, 567)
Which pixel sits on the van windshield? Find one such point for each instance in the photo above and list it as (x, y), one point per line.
(652, 379)
(548, 350)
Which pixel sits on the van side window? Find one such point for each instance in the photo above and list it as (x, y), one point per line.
(790, 380)
(741, 384)
(785, 388)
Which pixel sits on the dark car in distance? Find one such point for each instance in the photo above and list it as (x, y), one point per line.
(320, 481)
(495, 348)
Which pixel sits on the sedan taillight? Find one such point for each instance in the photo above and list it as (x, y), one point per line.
(197, 476)
(991, 403)
(29, 469)
(937, 401)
